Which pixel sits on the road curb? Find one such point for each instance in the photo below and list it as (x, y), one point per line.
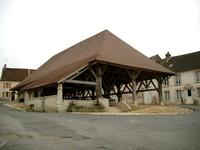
(130, 114)
(14, 107)
(185, 112)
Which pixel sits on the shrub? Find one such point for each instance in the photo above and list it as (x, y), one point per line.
(196, 102)
(76, 108)
(70, 107)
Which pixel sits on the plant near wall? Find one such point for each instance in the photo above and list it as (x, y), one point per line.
(71, 106)
(96, 107)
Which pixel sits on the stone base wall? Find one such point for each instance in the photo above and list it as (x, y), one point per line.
(35, 104)
(49, 104)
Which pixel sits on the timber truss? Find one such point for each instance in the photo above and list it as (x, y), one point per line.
(101, 79)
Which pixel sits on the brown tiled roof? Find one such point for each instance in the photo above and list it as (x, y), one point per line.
(15, 74)
(183, 63)
(103, 46)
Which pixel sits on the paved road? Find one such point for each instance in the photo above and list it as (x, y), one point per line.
(48, 131)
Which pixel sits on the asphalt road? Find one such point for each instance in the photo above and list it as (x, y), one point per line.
(48, 131)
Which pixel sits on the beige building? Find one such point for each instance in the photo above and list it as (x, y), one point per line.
(10, 77)
(184, 87)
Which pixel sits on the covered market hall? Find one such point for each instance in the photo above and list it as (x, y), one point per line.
(97, 68)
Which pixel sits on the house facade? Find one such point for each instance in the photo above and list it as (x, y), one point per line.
(184, 87)
(10, 77)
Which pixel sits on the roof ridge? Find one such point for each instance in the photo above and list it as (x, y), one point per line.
(186, 54)
(105, 32)
(20, 68)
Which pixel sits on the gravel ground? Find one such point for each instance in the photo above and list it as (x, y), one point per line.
(48, 131)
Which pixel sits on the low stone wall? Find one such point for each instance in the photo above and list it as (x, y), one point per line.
(104, 102)
(79, 102)
(49, 104)
(35, 104)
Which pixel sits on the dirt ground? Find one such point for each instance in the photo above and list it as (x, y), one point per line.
(157, 109)
(16, 105)
(140, 109)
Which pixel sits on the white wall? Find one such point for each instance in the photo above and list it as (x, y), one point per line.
(13, 83)
(187, 78)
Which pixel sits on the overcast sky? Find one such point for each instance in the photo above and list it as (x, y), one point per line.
(31, 31)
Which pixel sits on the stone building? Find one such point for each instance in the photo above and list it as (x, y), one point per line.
(184, 87)
(10, 77)
(92, 70)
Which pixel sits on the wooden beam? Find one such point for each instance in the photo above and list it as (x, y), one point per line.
(146, 90)
(137, 73)
(80, 82)
(140, 85)
(149, 82)
(93, 73)
(153, 84)
(78, 73)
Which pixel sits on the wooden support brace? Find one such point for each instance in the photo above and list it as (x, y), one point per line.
(80, 82)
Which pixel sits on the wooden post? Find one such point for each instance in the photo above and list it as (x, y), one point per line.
(93, 92)
(59, 93)
(134, 75)
(26, 96)
(119, 96)
(99, 83)
(83, 94)
(108, 93)
(40, 92)
(160, 95)
(134, 95)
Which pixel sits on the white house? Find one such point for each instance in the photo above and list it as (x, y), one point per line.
(184, 87)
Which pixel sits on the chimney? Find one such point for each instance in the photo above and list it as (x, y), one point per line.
(167, 57)
(4, 66)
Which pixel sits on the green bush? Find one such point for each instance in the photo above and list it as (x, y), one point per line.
(76, 108)
(196, 102)
(71, 106)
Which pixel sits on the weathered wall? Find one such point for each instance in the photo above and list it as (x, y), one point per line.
(49, 104)
(35, 104)
(187, 78)
(128, 98)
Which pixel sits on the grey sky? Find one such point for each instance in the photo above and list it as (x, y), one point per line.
(31, 31)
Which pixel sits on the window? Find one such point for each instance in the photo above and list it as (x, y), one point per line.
(189, 93)
(6, 85)
(198, 92)
(166, 82)
(6, 94)
(177, 79)
(178, 94)
(166, 95)
(197, 76)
